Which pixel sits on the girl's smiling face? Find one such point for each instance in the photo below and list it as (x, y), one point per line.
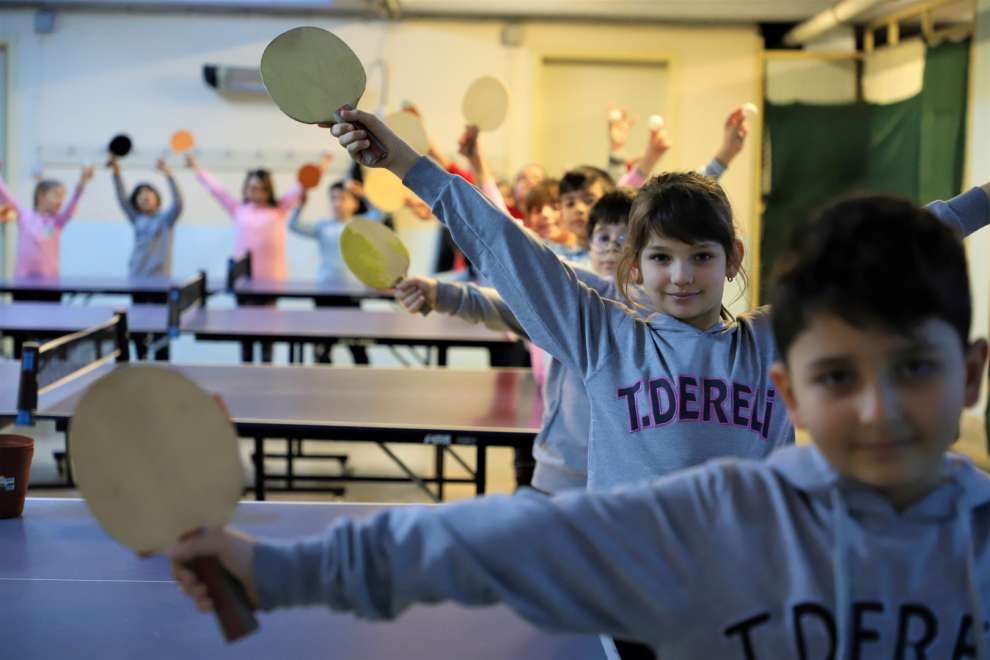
(687, 280)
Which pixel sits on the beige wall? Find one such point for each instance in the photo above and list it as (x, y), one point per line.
(101, 73)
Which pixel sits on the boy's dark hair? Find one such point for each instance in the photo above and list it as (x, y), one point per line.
(871, 261)
(137, 191)
(612, 209)
(583, 177)
(265, 178)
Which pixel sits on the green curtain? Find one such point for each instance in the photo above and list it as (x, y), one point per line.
(914, 148)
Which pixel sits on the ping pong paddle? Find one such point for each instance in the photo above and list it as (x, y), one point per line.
(181, 141)
(311, 74)
(374, 253)
(385, 190)
(486, 103)
(156, 460)
(409, 127)
(309, 175)
(120, 145)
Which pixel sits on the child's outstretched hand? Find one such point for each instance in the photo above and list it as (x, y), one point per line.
(399, 158)
(163, 167)
(734, 136)
(234, 550)
(418, 295)
(114, 164)
(619, 125)
(325, 159)
(87, 174)
(191, 162)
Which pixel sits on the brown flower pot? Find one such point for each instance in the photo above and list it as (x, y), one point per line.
(16, 452)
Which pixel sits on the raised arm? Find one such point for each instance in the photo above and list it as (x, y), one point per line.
(619, 125)
(175, 210)
(969, 211)
(617, 563)
(468, 302)
(560, 314)
(226, 200)
(656, 146)
(296, 224)
(67, 211)
(118, 187)
(470, 147)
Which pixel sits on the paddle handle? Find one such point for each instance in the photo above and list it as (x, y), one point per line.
(374, 154)
(230, 601)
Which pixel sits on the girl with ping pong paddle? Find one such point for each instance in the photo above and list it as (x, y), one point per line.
(345, 204)
(260, 220)
(153, 226)
(39, 228)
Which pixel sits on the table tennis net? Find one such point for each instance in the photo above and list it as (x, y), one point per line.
(46, 366)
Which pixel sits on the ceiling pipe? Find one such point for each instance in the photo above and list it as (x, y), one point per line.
(840, 13)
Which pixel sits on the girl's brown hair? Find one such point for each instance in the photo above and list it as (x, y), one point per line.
(42, 187)
(265, 178)
(683, 206)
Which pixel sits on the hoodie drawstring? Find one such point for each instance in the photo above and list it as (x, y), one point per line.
(840, 575)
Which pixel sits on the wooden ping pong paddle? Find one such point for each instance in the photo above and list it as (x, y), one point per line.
(486, 103)
(311, 74)
(156, 459)
(374, 253)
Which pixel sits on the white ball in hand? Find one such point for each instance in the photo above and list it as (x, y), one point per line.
(656, 122)
(615, 115)
(750, 110)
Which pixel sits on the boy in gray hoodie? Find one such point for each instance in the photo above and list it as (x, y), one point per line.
(872, 542)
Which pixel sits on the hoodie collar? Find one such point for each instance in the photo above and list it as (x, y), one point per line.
(806, 469)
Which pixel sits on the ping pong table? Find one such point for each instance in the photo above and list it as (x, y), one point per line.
(24, 321)
(68, 590)
(90, 285)
(438, 407)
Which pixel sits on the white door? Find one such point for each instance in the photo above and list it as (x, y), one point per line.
(573, 99)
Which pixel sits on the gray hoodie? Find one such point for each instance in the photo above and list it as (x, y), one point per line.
(663, 395)
(735, 559)
(561, 446)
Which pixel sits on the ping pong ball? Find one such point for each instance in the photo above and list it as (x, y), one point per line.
(615, 115)
(749, 109)
(656, 122)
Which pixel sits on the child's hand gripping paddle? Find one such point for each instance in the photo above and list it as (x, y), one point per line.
(311, 74)
(156, 459)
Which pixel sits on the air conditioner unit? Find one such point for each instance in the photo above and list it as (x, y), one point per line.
(238, 80)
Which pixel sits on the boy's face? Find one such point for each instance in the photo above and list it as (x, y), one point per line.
(605, 248)
(528, 177)
(882, 407)
(344, 204)
(574, 209)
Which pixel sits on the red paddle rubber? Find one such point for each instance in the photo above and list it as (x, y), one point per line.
(230, 601)
(374, 154)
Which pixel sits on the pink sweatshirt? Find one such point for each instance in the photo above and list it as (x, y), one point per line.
(38, 236)
(260, 230)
